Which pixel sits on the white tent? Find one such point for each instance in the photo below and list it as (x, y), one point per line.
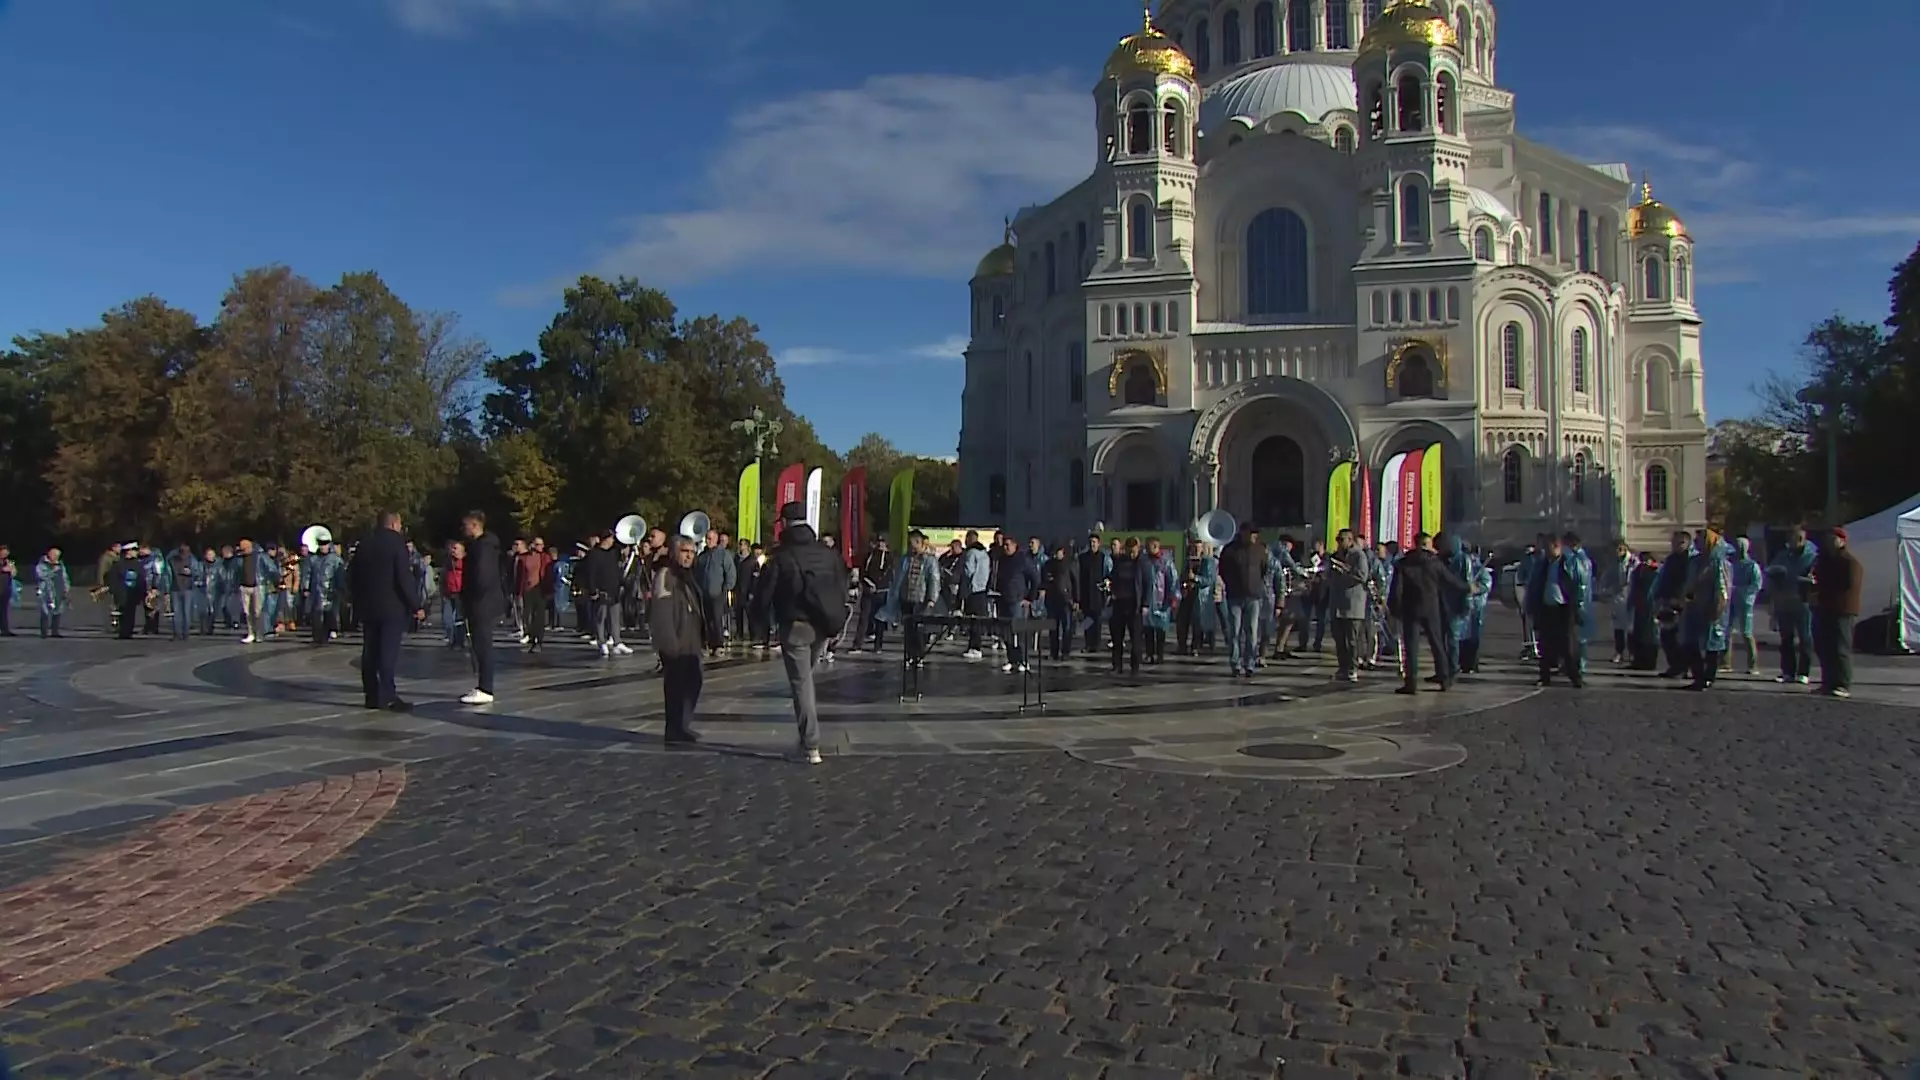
(1909, 529)
(1877, 542)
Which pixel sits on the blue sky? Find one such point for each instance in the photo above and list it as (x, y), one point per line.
(830, 170)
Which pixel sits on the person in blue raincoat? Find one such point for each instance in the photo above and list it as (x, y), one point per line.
(1588, 616)
(1473, 625)
(53, 586)
(324, 573)
(1161, 598)
(1205, 574)
(1612, 586)
(1743, 587)
(1453, 608)
(1703, 621)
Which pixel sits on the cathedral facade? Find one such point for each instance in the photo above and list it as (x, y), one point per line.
(1313, 235)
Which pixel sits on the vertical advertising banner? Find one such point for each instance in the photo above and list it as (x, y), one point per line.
(853, 514)
(900, 509)
(1340, 499)
(1410, 498)
(746, 524)
(1432, 483)
(1366, 523)
(1390, 500)
(814, 480)
(786, 489)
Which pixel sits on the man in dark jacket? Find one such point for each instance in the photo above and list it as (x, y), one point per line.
(1243, 577)
(678, 626)
(1836, 607)
(803, 587)
(1417, 599)
(483, 596)
(718, 574)
(597, 581)
(128, 585)
(1127, 585)
(387, 596)
(1096, 570)
(1017, 581)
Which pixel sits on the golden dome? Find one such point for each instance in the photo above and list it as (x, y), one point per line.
(1148, 52)
(1001, 261)
(1409, 22)
(1651, 216)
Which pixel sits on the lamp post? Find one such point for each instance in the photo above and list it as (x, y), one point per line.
(763, 430)
(1827, 399)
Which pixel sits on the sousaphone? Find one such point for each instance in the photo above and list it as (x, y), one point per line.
(1215, 527)
(314, 535)
(630, 530)
(694, 527)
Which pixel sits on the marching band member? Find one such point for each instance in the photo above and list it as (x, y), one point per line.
(1610, 587)
(325, 573)
(1159, 598)
(1059, 586)
(914, 592)
(1703, 623)
(53, 586)
(1474, 624)
(1669, 593)
(1095, 581)
(1127, 583)
(1744, 584)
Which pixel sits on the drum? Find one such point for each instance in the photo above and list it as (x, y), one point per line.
(1508, 586)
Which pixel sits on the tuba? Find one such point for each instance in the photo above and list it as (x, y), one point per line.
(314, 535)
(695, 526)
(1215, 527)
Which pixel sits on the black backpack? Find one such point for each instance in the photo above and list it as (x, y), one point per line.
(820, 592)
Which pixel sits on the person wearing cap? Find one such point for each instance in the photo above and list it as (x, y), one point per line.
(321, 584)
(128, 583)
(1837, 581)
(804, 588)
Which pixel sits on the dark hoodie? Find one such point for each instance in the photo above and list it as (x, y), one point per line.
(1421, 585)
(804, 581)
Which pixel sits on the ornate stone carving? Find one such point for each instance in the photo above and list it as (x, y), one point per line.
(1402, 347)
(1154, 356)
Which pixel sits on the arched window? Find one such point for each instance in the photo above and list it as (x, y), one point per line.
(1076, 374)
(1410, 104)
(1433, 304)
(1053, 269)
(1657, 385)
(1139, 387)
(1277, 264)
(1263, 35)
(1172, 129)
(1658, 497)
(1139, 318)
(1512, 362)
(1651, 277)
(1546, 224)
(1076, 483)
(1139, 230)
(1343, 139)
(1483, 244)
(1378, 307)
(1413, 213)
(1513, 467)
(1202, 45)
(1682, 278)
(1517, 248)
(1339, 34)
(1399, 306)
(1173, 316)
(1106, 320)
(1139, 128)
(1453, 304)
(1580, 477)
(1124, 323)
(1580, 360)
(1583, 241)
(1376, 110)
(1447, 104)
(1463, 28)
(1299, 25)
(1480, 54)
(1415, 378)
(1230, 37)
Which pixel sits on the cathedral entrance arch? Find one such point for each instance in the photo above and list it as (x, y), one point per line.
(1133, 478)
(1266, 449)
(1278, 477)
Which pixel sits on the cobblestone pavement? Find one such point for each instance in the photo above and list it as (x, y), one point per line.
(1612, 884)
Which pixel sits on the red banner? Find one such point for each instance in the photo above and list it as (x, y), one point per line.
(1410, 499)
(786, 490)
(1367, 527)
(853, 514)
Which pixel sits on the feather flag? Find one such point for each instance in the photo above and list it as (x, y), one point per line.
(1340, 499)
(747, 522)
(814, 480)
(853, 514)
(1410, 498)
(900, 509)
(786, 489)
(1390, 499)
(1366, 503)
(1431, 479)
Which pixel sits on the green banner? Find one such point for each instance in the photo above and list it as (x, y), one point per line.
(900, 509)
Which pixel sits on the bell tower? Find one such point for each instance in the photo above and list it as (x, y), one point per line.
(1414, 152)
(1147, 102)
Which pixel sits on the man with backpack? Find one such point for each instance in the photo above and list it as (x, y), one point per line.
(804, 588)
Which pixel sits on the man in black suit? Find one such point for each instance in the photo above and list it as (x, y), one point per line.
(483, 596)
(387, 598)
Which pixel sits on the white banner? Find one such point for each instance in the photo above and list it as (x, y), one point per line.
(814, 480)
(1390, 500)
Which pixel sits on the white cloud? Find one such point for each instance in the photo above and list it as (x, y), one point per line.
(452, 16)
(1732, 198)
(907, 174)
(944, 350)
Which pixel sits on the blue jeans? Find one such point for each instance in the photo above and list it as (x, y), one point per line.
(182, 615)
(1243, 633)
(450, 621)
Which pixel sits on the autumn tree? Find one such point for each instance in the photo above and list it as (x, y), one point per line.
(528, 480)
(109, 392)
(28, 444)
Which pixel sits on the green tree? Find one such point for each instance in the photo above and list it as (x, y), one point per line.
(109, 391)
(28, 444)
(1848, 395)
(936, 483)
(1766, 476)
(528, 480)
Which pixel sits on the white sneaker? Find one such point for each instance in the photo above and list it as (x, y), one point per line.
(1022, 668)
(248, 640)
(802, 754)
(606, 650)
(971, 654)
(1006, 668)
(1802, 680)
(476, 697)
(526, 639)
(621, 649)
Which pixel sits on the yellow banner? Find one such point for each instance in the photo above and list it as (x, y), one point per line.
(900, 509)
(747, 525)
(1340, 499)
(1431, 480)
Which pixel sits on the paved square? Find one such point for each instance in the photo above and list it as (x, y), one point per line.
(211, 865)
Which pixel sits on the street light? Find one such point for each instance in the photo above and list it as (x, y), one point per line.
(763, 430)
(1826, 398)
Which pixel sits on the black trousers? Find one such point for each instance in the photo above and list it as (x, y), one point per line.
(480, 640)
(1554, 628)
(1411, 631)
(536, 612)
(1123, 626)
(6, 610)
(681, 678)
(379, 656)
(324, 625)
(1833, 640)
(975, 604)
(716, 613)
(130, 615)
(1095, 610)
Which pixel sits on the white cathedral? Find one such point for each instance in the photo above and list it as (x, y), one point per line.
(1313, 235)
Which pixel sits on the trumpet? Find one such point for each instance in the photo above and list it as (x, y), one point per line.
(153, 601)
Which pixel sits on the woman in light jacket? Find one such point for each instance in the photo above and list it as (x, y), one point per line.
(52, 585)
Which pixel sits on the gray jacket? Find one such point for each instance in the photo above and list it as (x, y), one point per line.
(1347, 589)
